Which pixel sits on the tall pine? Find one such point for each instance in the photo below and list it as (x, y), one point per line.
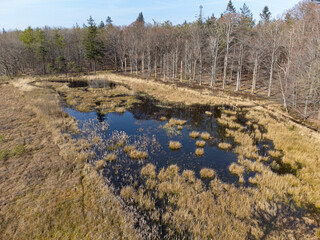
(93, 46)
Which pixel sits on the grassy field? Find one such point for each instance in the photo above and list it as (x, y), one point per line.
(50, 181)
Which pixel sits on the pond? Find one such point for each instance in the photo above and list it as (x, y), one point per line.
(144, 125)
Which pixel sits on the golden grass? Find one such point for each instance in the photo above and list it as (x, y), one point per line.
(208, 113)
(205, 136)
(129, 148)
(274, 153)
(111, 157)
(179, 127)
(199, 152)
(63, 197)
(225, 146)
(194, 134)
(207, 173)
(149, 171)
(174, 145)
(139, 155)
(200, 144)
(100, 164)
(236, 169)
(163, 118)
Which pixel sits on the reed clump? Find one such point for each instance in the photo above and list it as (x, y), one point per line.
(205, 136)
(199, 152)
(129, 148)
(207, 173)
(225, 146)
(174, 145)
(237, 169)
(194, 134)
(200, 144)
(111, 157)
(139, 155)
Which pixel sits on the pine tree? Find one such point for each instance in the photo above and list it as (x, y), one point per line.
(93, 47)
(265, 15)
(109, 21)
(230, 7)
(140, 18)
(101, 25)
(247, 16)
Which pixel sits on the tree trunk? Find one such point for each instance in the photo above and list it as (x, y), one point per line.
(194, 70)
(225, 64)
(149, 62)
(214, 52)
(125, 65)
(200, 71)
(155, 67)
(239, 68)
(142, 64)
(181, 71)
(254, 78)
(271, 74)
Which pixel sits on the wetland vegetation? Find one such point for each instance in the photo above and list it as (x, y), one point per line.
(232, 173)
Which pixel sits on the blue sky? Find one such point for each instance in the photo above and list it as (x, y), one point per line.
(65, 13)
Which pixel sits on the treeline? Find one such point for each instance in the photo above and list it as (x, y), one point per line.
(276, 57)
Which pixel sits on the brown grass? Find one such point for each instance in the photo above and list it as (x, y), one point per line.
(205, 136)
(194, 134)
(139, 155)
(111, 157)
(207, 173)
(225, 146)
(200, 144)
(199, 152)
(174, 145)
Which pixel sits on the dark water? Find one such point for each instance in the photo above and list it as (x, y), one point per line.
(91, 84)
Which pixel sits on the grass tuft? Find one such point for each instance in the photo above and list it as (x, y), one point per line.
(174, 145)
(200, 144)
(139, 155)
(111, 157)
(199, 152)
(129, 148)
(194, 134)
(225, 146)
(207, 173)
(205, 136)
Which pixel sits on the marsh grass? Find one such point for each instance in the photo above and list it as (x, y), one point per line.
(208, 113)
(174, 145)
(205, 136)
(194, 134)
(200, 144)
(100, 164)
(179, 127)
(139, 155)
(199, 152)
(225, 146)
(129, 148)
(207, 173)
(111, 157)
(237, 169)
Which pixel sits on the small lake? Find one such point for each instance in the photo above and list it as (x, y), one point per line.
(144, 125)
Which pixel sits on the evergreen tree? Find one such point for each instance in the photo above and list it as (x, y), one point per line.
(230, 7)
(265, 15)
(109, 21)
(140, 18)
(27, 37)
(247, 16)
(101, 25)
(93, 47)
(41, 47)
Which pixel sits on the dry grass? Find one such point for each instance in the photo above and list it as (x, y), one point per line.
(236, 169)
(205, 136)
(111, 157)
(129, 148)
(225, 146)
(199, 152)
(208, 113)
(53, 193)
(174, 145)
(100, 164)
(200, 144)
(194, 134)
(207, 173)
(149, 171)
(139, 155)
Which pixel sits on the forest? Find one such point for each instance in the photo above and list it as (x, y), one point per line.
(274, 57)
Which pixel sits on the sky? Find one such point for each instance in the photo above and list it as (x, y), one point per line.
(19, 14)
